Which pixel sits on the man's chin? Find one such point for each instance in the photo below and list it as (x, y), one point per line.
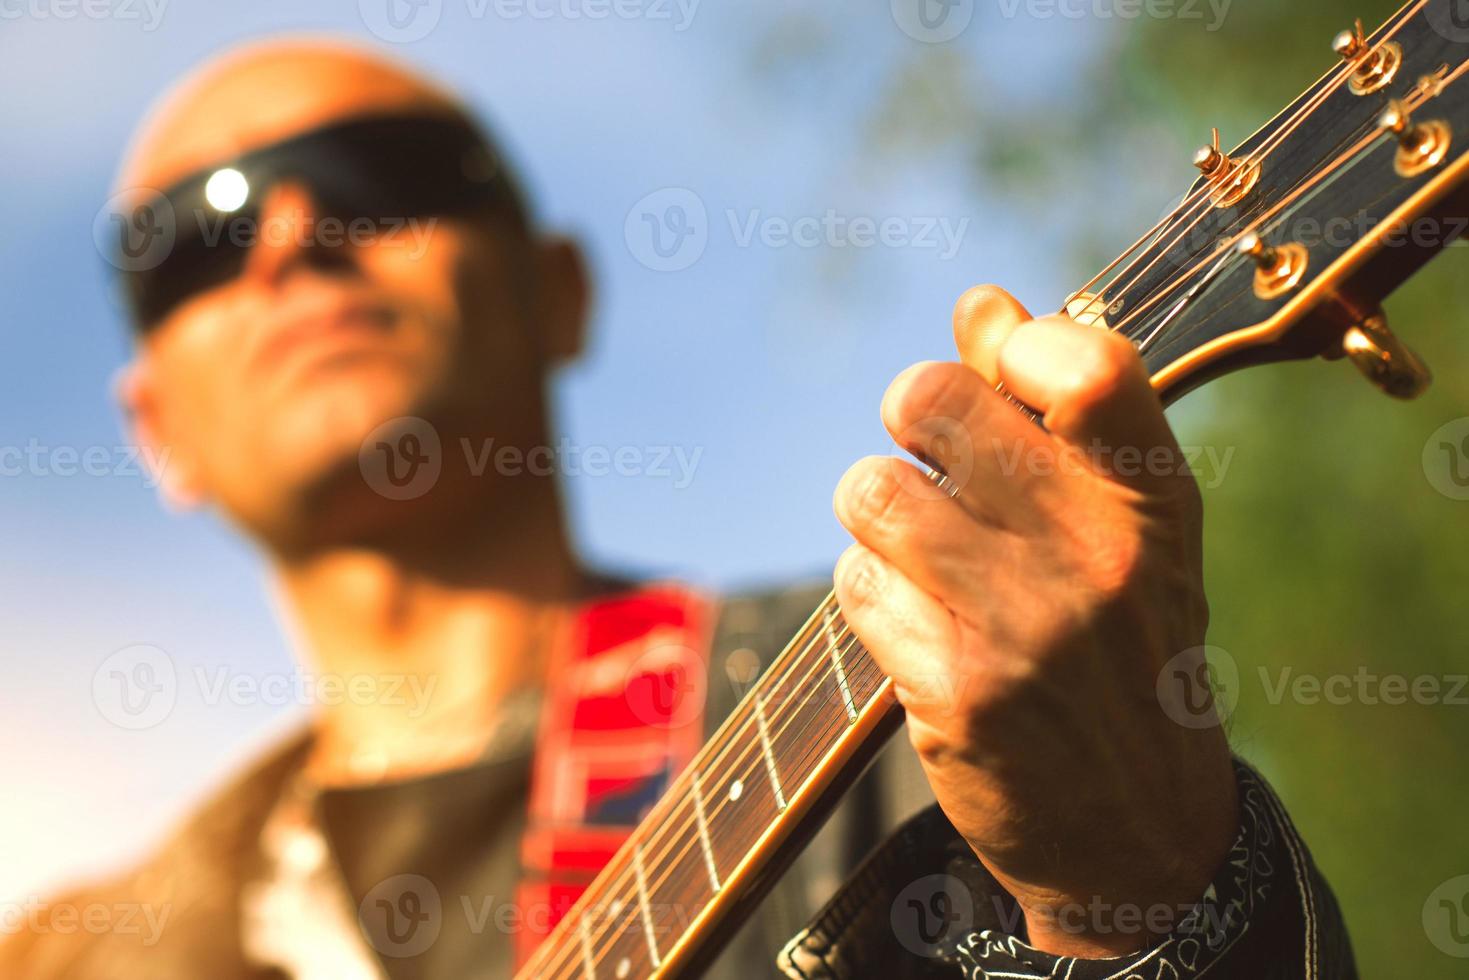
(325, 431)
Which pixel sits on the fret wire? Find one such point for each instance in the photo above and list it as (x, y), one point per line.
(683, 851)
(829, 728)
(704, 833)
(762, 727)
(841, 671)
(836, 663)
(647, 916)
(788, 662)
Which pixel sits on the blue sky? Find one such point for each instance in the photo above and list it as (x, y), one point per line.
(767, 357)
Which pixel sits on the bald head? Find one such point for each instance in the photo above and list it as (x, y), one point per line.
(267, 91)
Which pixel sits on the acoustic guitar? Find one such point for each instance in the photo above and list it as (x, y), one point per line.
(1284, 247)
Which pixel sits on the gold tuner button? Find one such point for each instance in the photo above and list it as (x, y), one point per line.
(1421, 146)
(1278, 269)
(1385, 360)
(1231, 179)
(1209, 160)
(1374, 67)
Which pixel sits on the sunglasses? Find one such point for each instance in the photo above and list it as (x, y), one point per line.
(365, 175)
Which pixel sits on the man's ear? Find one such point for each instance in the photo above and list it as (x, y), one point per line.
(565, 297)
(173, 473)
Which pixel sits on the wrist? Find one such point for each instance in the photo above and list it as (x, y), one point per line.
(1152, 888)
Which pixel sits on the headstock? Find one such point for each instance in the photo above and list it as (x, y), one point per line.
(1285, 246)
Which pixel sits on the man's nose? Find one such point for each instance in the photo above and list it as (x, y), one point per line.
(286, 236)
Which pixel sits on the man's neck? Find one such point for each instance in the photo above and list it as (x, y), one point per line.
(428, 635)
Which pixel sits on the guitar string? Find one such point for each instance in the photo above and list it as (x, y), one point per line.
(614, 931)
(1256, 158)
(1333, 167)
(1354, 154)
(1271, 144)
(809, 639)
(794, 661)
(675, 797)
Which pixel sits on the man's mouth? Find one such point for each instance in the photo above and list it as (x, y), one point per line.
(323, 330)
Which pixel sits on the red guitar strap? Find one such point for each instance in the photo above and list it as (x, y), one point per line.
(623, 715)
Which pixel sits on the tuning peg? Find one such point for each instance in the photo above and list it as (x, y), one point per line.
(1278, 269)
(1421, 146)
(1232, 179)
(1385, 360)
(1376, 67)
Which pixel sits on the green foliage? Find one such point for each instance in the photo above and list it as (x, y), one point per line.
(1329, 549)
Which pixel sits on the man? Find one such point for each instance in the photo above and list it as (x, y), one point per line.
(297, 382)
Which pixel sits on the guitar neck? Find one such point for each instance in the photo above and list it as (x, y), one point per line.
(737, 815)
(1199, 294)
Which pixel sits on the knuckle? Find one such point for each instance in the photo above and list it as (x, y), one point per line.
(857, 579)
(1116, 565)
(873, 495)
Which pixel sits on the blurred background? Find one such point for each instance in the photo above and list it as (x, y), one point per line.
(1017, 142)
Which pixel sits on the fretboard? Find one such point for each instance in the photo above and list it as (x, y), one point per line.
(727, 824)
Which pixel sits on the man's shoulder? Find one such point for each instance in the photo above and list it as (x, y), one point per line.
(177, 902)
